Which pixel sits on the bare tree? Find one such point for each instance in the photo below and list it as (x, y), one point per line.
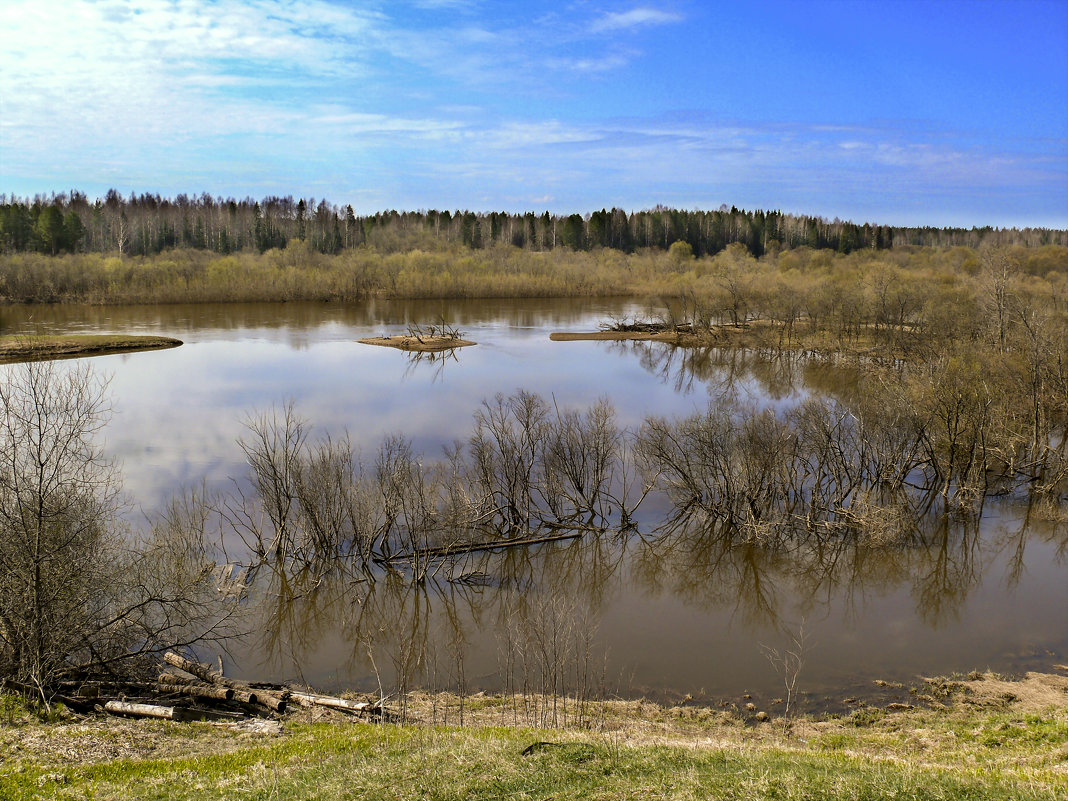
(77, 593)
(58, 509)
(788, 664)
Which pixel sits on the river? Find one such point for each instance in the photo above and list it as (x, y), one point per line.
(686, 615)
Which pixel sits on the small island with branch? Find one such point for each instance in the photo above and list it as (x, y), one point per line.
(435, 337)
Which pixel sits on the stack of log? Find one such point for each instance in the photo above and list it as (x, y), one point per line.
(189, 690)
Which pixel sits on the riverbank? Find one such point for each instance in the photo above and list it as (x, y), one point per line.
(980, 736)
(23, 348)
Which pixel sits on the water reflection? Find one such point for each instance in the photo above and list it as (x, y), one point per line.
(679, 610)
(483, 620)
(295, 318)
(433, 361)
(731, 373)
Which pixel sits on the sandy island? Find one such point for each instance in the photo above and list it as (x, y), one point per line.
(19, 348)
(421, 344)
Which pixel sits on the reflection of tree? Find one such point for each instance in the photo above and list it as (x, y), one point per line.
(369, 316)
(709, 567)
(1038, 519)
(419, 633)
(950, 568)
(498, 620)
(433, 360)
(716, 566)
(779, 374)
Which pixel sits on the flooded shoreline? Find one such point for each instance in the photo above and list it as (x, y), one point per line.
(685, 617)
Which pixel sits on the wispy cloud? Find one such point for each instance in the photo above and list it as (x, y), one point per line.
(449, 5)
(606, 62)
(640, 17)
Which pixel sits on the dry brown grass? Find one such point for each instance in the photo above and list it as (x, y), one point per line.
(1034, 692)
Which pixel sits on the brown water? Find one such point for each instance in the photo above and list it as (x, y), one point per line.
(688, 614)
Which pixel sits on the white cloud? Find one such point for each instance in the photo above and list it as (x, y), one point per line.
(600, 64)
(351, 123)
(521, 135)
(639, 17)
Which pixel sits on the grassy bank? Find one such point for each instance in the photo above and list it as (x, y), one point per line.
(981, 738)
(31, 348)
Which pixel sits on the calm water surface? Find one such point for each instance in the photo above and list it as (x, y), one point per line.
(685, 615)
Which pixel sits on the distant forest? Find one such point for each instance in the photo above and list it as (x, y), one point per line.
(149, 224)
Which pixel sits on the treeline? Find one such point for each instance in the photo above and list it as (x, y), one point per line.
(905, 292)
(149, 224)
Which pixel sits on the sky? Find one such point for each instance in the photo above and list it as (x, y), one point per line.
(900, 112)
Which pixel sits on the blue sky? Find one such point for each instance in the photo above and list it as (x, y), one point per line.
(906, 112)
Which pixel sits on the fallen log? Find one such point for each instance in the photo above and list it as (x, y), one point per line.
(198, 691)
(141, 710)
(272, 701)
(239, 694)
(175, 678)
(198, 669)
(313, 699)
(243, 696)
(176, 713)
(48, 695)
(246, 697)
(276, 702)
(90, 689)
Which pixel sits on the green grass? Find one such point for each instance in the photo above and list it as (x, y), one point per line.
(342, 760)
(977, 746)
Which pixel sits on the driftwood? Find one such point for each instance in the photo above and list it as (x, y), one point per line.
(47, 694)
(205, 695)
(103, 689)
(272, 701)
(142, 710)
(246, 697)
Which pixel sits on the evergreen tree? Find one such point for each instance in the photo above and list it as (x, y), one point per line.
(73, 231)
(49, 229)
